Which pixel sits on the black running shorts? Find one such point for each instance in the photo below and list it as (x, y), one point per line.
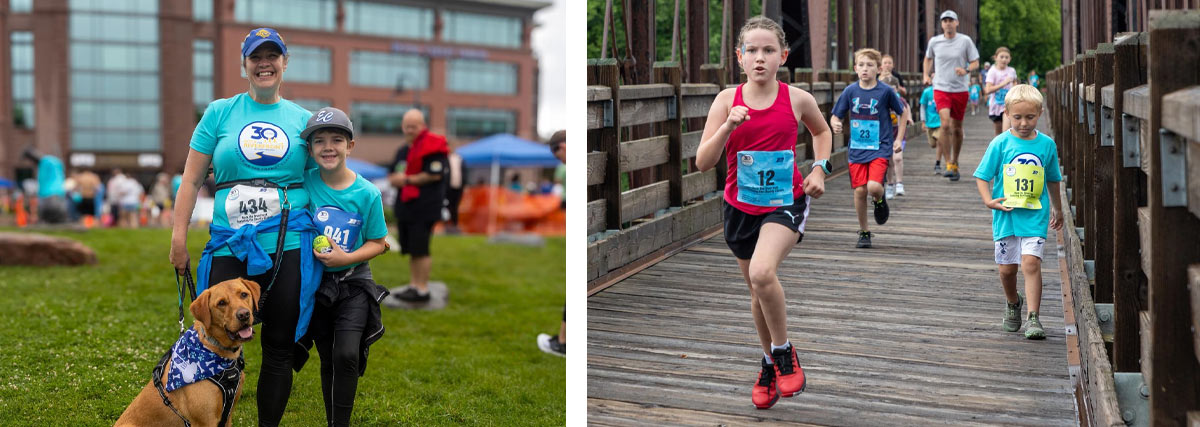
(996, 118)
(741, 229)
(415, 236)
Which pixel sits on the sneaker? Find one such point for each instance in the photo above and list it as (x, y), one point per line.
(411, 294)
(899, 188)
(766, 391)
(937, 167)
(550, 344)
(890, 192)
(1033, 327)
(950, 168)
(881, 211)
(864, 239)
(954, 175)
(1012, 315)
(788, 371)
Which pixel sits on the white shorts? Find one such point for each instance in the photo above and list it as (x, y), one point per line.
(1006, 249)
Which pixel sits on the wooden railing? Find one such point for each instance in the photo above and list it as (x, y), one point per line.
(1126, 117)
(626, 225)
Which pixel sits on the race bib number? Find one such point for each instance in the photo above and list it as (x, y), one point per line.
(339, 226)
(1000, 94)
(864, 134)
(765, 177)
(246, 204)
(1023, 184)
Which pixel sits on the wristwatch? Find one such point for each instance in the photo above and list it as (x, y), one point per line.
(824, 164)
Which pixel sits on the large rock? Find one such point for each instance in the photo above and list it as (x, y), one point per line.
(43, 250)
(438, 295)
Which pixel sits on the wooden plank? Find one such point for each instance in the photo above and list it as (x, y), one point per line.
(643, 153)
(1146, 137)
(1194, 291)
(697, 184)
(1147, 338)
(1193, 177)
(598, 93)
(1102, 182)
(595, 216)
(1107, 97)
(646, 91)
(669, 73)
(595, 115)
(612, 258)
(1137, 102)
(607, 140)
(1128, 281)
(1143, 224)
(693, 106)
(1089, 93)
(1181, 112)
(695, 89)
(642, 111)
(642, 201)
(595, 167)
(690, 142)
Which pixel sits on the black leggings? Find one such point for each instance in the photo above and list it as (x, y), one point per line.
(279, 314)
(339, 375)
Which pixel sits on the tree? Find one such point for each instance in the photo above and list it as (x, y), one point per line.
(1031, 29)
(663, 17)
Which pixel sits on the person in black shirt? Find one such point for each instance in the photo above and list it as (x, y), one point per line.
(420, 172)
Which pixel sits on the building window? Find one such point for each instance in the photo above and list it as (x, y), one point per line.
(307, 14)
(202, 75)
(391, 70)
(374, 117)
(307, 64)
(22, 78)
(20, 6)
(474, 123)
(476, 76)
(114, 67)
(489, 30)
(311, 104)
(364, 17)
(202, 10)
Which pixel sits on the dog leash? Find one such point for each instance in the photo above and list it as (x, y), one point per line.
(191, 287)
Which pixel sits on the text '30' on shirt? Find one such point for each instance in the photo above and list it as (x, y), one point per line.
(869, 107)
(249, 140)
(348, 217)
(771, 129)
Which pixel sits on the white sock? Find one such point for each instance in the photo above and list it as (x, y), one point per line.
(786, 345)
(768, 359)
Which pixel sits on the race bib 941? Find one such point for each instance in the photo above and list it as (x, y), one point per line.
(1023, 184)
(339, 226)
(246, 204)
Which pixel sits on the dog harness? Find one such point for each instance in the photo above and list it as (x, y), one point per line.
(192, 362)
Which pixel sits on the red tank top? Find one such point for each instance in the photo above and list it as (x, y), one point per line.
(771, 129)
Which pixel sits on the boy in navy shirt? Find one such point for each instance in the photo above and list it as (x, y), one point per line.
(868, 103)
(348, 210)
(1016, 176)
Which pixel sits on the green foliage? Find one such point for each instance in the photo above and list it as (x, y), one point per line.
(664, 20)
(1031, 29)
(79, 342)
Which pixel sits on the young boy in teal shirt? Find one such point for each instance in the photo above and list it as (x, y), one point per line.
(1016, 176)
(933, 123)
(348, 210)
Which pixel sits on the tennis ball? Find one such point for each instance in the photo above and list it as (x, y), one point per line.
(321, 245)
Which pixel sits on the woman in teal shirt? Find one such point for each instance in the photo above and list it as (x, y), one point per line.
(252, 141)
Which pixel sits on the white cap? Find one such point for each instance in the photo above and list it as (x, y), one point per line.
(949, 14)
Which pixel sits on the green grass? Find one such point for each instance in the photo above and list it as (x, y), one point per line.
(78, 343)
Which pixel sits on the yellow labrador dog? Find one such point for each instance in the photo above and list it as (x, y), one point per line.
(201, 376)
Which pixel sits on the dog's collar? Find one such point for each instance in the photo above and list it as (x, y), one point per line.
(209, 339)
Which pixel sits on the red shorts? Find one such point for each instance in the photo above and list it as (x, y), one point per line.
(860, 173)
(955, 101)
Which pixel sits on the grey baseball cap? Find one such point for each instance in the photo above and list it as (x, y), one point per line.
(949, 14)
(328, 117)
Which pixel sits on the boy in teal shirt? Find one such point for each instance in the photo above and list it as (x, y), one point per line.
(348, 210)
(1016, 176)
(933, 123)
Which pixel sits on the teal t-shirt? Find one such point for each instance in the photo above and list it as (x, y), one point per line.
(932, 119)
(50, 177)
(1007, 148)
(249, 140)
(347, 217)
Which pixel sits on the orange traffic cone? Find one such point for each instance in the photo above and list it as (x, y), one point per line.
(22, 217)
(89, 221)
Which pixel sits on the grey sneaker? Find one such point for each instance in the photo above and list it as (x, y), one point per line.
(1012, 315)
(550, 344)
(1033, 327)
(864, 239)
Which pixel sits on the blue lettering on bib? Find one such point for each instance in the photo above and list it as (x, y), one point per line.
(1000, 94)
(765, 177)
(339, 226)
(864, 135)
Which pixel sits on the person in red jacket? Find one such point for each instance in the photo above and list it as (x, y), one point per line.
(419, 171)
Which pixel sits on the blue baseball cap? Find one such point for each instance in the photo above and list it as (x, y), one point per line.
(258, 36)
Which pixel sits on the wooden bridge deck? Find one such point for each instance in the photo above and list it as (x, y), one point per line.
(905, 333)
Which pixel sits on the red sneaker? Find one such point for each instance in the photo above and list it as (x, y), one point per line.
(766, 390)
(788, 371)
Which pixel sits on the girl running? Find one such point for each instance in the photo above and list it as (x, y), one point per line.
(755, 125)
(999, 79)
(974, 91)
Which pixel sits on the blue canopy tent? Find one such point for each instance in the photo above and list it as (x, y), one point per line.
(5, 183)
(505, 150)
(368, 170)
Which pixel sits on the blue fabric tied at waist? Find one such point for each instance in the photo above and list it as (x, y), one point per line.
(243, 242)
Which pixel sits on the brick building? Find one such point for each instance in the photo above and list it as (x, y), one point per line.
(122, 83)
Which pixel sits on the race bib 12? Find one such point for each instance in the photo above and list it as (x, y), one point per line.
(765, 177)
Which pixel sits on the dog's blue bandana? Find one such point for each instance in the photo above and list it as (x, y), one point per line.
(192, 362)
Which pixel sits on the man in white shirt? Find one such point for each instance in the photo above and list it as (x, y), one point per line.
(953, 56)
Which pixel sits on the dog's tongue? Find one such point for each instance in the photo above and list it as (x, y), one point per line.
(246, 333)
